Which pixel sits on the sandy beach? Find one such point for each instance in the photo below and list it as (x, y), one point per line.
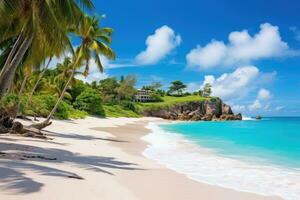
(96, 158)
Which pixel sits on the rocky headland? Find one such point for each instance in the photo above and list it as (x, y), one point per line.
(213, 109)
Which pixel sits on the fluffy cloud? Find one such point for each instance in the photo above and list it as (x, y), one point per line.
(235, 84)
(263, 94)
(255, 105)
(242, 48)
(238, 108)
(160, 44)
(94, 73)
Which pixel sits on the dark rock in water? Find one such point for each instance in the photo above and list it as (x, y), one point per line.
(258, 117)
(212, 109)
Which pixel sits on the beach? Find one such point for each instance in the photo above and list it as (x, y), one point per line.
(96, 158)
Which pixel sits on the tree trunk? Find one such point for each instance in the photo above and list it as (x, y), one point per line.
(11, 55)
(47, 121)
(20, 95)
(38, 81)
(8, 75)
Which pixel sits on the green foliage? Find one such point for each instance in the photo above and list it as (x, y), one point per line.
(90, 101)
(126, 90)
(41, 106)
(207, 90)
(128, 105)
(156, 97)
(108, 89)
(9, 100)
(169, 101)
(153, 87)
(177, 87)
(77, 88)
(118, 111)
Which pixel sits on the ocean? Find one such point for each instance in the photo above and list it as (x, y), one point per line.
(255, 156)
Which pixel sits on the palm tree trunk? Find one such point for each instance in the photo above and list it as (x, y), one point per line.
(11, 54)
(20, 95)
(38, 81)
(8, 75)
(61, 96)
(47, 121)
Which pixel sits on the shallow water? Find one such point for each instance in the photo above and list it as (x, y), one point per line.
(255, 156)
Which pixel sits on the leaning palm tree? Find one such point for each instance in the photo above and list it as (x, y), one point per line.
(41, 74)
(38, 28)
(95, 41)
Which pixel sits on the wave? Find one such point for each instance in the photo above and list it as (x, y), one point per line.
(205, 165)
(247, 118)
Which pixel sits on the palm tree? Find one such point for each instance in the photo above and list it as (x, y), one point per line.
(95, 41)
(38, 80)
(38, 28)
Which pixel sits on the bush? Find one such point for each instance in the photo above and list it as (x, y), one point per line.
(9, 100)
(89, 101)
(128, 105)
(41, 106)
(156, 97)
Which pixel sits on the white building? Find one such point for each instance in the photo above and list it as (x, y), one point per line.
(143, 96)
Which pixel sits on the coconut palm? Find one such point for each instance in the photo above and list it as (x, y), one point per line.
(95, 42)
(38, 28)
(41, 74)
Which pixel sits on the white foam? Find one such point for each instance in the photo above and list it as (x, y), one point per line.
(246, 118)
(204, 165)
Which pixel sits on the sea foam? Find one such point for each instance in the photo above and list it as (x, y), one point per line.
(204, 165)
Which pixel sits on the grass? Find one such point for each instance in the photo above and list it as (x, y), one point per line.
(118, 111)
(171, 100)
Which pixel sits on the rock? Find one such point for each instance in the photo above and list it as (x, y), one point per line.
(258, 117)
(226, 109)
(213, 109)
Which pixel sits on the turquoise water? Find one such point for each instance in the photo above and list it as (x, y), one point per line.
(262, 157)
(271, 140)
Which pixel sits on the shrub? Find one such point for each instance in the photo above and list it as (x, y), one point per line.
(42, 105)
(156, 97)
(9, 100)
(89, 101)
(128, 105)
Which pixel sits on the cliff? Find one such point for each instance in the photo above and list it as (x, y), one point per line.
(207, 110)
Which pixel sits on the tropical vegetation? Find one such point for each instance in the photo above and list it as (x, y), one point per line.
(34, 35)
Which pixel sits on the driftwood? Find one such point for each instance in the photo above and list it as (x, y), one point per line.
(41, 125)
(8, 125)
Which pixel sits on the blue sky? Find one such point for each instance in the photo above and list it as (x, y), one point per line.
(248, 50)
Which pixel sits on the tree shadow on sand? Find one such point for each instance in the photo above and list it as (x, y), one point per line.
(80, 137)
(15, 158)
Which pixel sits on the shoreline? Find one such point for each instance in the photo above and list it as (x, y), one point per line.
(96, 158)
(217, 192)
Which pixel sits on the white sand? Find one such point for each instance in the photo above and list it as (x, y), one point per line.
(105, 164)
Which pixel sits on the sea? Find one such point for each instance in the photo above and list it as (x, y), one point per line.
(258, 156)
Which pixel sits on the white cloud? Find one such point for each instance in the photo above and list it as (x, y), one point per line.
(263, 94)
(93, 77)
(242, 48)
(94, 72)
(208, 56)
(235, 84)
(255, 105)
(238, 108)
(160, 44)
